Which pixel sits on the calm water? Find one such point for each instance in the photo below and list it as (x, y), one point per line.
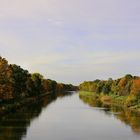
(69, 118)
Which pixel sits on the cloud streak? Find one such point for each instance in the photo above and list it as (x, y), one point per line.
(72, 40)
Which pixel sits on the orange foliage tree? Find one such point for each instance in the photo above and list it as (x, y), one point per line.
(135, 89)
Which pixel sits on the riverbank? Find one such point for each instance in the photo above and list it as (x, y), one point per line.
(126, 102)
(14, 105)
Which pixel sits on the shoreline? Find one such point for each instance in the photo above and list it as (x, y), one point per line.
(17, 104)
(110, 101)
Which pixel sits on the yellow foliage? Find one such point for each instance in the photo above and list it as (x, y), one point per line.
(122, 82)
(135, 89)
(106, 99)
(131, 100)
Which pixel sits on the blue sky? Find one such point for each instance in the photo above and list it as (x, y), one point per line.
(72, 40)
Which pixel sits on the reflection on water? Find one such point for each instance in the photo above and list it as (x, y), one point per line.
(126, 116)
(13, 126)
(69, 118)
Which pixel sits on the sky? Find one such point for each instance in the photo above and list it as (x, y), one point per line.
(72, 41)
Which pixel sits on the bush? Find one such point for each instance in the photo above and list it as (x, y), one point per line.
(131, 101)
(106, 98)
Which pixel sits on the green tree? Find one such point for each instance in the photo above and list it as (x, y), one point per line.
(37, 83)
(20, 77)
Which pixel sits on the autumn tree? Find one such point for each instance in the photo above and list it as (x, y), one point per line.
(37, 83)
(135, 89)
(20, 77)
(6, 80)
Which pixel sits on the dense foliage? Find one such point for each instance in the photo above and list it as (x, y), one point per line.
(16, 82)
(128, 86)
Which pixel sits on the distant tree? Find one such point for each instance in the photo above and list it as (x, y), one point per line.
(128, 76)
(37, 83)
(106, 89)
(6, 80)
(20, 77)
(49, 85)
(100, 86)
(135, 89)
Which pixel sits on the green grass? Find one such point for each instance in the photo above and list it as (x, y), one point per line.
(86, 93)
(116, 100)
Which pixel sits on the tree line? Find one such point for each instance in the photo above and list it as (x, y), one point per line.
(127, 86)
(16, 83)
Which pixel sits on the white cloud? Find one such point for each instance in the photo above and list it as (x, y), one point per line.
(72, 40)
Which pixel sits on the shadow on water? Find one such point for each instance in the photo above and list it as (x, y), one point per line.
(126, 116)
(13, 126)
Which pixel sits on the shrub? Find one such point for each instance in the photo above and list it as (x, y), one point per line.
(131, 101)
(106, 98)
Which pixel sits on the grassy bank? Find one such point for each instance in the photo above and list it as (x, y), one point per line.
(129, 102)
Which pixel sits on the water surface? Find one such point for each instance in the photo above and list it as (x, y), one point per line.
(69, 118)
